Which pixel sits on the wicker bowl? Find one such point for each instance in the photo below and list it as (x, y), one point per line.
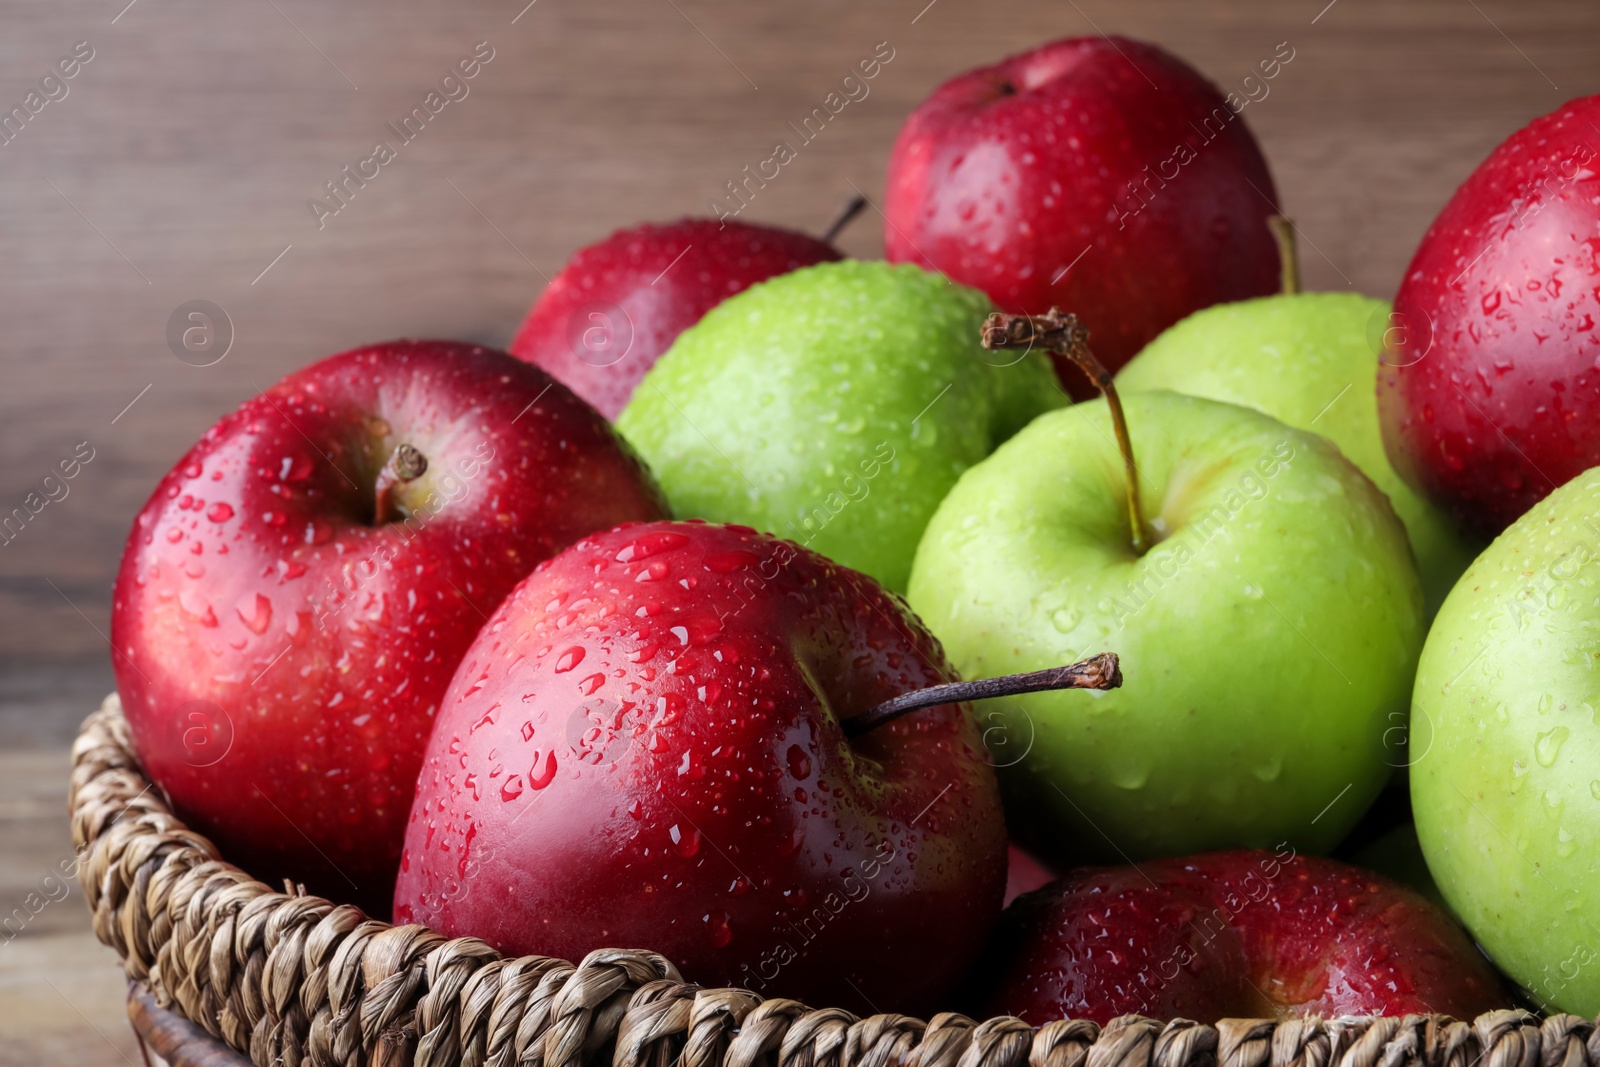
(226, 971)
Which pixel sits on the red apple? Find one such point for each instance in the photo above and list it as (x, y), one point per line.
(644, 749)
(296, 594)
(619, 304)
(1248, 934)
(1489, 396)
(1096, 174)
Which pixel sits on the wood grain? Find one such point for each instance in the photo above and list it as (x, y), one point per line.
(182, 160)
(180, 163)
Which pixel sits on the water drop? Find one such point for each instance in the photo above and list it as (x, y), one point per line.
(569, 659)
(1548, 745)
(652, 572)
(255, 612)
(686, 842)
(721, 930)
(1065, 620)
(543, 771)
(650, 544)
(1130, 777)
(219, 512)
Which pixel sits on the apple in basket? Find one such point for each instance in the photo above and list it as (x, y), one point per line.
(1246, 934)
(296, 594)
(674, 736)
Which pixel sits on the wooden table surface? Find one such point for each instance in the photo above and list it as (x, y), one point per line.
(180, 163)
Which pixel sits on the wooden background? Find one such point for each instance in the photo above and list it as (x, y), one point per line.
(179, 166)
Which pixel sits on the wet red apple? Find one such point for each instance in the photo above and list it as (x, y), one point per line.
(618, 304)
(1098, 174)
(1489, 392)
(646, 747)
(298, 591)
(1249, 934)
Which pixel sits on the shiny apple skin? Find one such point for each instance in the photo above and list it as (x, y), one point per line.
(255, 593)
(1489, 396)
(1247, 934)
(643, 749)
(1010, 174)
(647, 285)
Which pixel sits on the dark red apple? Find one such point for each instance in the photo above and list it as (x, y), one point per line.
(298, 591)
(1249, 934)
(618, 305)
(643, 749)
(1097, 174)
(1489, 396)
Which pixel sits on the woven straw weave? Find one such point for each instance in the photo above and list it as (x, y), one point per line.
(298, 980)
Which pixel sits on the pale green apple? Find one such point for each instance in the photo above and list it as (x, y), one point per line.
(1307, 359)
(834, 406)
(1505, 775)
(1268, 638)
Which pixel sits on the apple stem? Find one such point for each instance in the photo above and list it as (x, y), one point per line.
(1067, 337)
(1096, 672)
(406, 463)
(1288, 257)
(846, 216)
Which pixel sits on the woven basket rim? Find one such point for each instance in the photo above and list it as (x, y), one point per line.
(298, 979)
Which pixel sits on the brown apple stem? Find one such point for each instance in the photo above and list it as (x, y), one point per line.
(406, 463)
(1065, 336)
(1288, 257)
(1096, 672)
(845, 217)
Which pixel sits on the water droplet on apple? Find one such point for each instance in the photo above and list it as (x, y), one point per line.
(1552, 803)
(543, 771)
(255, 612)
(799, 763)
(512, 789)
(1130, 777)
(650, 544)
(721, 930)
(1065, 620)
(219, 512)
(569, 659)
(1548, 745)
(687, 842)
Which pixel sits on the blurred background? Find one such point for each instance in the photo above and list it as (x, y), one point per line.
(180, 163)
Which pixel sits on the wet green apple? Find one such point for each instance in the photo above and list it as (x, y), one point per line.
(1306, 359)
(1505, 775)
(834, 406)
(1268, 635)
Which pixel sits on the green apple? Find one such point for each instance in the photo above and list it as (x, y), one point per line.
(1305, 359)
(1268, 636)
(1505, 775)
(835, 406)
